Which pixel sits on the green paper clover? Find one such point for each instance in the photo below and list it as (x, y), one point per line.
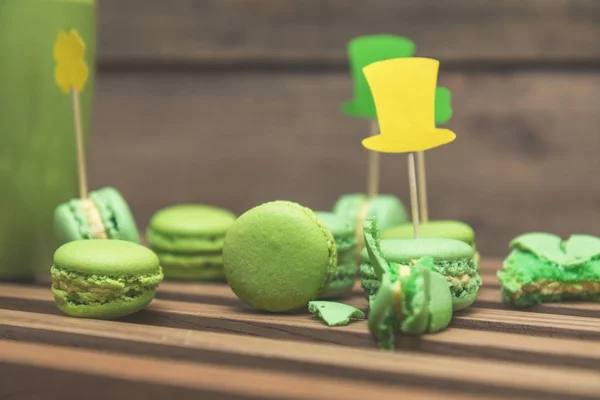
(443, 105)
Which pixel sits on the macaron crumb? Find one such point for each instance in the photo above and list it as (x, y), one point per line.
(334, 314)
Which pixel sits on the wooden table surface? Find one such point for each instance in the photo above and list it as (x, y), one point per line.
(199, 341)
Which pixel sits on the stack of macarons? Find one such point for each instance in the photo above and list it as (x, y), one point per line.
(345, 243)
(104, 279)
(103, 215)
(453, 259)
(188, 240)
(356, 208)
(278, 256)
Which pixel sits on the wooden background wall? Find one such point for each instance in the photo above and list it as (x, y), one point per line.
(235, 102)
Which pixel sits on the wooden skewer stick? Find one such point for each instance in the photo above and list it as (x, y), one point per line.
(374, 166)
(422, 186)
(412, 178)
(83, 187)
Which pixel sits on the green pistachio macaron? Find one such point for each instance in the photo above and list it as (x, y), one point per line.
(411, 299)
(356, 208)
(435, 229)
(188, 240)
(104, 279)
(279, 256)
(542, 267)
(345, 242)
(452, 258)
(103, 215)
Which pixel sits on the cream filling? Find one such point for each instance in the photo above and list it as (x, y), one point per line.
(397, 299)
(457, 280)
(81, 289)
(403, 270)
(92, 215)
(553, 287)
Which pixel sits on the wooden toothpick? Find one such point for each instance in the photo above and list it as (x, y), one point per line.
(83, 187)
(374, 166)
(422, 186)
(412, 178)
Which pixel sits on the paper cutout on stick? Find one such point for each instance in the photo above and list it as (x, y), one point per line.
(71, 72)
(365, 50)
(404, 93)
(443, 105)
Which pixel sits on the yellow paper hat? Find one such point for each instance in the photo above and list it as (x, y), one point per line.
(404, 94)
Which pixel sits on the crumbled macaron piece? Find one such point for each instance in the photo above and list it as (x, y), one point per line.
(334, 314)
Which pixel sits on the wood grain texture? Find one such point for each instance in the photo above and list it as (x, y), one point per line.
(200, 344)
(316, 31)
(396, 365)
(524, 160)
(230, 380)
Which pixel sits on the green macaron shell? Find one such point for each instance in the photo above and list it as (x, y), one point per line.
(341, 230)
(345, 241)
(415, 301)
(278, 256)
(115, 308)
(103, 200)
(70, 222)
(342, 282)
(385, 322)
(433, 229)
(189, 228)
(381, 322)
(104, 278)
(121, 214)
(452, 259)
(440, 303)
(106, 257)
(405, 250)
(387, 209)
(192, 266)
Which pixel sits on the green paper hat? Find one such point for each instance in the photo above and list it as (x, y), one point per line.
(365, 50)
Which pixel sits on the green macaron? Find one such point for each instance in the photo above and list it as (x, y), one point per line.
(279, 256)
(447, 229)
(452, 258)
(411, 299)
(345, 242)
(104, 279)
(357, 207)
(103, 215)
(188, 240)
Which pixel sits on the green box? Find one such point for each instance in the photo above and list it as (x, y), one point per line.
(38, 163)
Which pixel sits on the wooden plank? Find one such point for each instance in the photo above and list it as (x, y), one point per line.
(221, 348)
(165, 139)
(303, 327)
(490, 297)
(242, 382)
(316, 31)
(399, 366)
